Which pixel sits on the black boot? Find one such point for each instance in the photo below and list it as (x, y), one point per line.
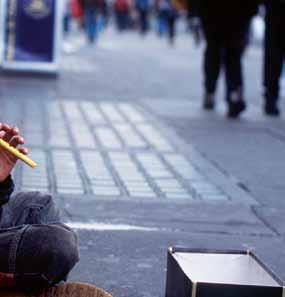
(236, 105)
(209, 102)
(271, 109)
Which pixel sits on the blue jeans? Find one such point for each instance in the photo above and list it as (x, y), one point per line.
(90, 19)
(35, 248)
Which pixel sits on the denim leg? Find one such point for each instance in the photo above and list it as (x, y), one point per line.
(48, 259)
(34, 246)
(29, 208)
(37, 256)
(90, 23)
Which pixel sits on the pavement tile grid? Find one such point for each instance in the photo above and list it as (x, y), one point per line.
(107, 150)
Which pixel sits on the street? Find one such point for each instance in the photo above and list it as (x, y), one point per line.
(136, 166)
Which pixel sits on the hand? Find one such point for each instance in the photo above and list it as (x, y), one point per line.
(7, 160)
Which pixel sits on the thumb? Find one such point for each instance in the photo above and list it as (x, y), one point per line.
(2, 134)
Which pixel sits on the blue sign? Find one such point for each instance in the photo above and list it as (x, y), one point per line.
(30, 30)
(30, 34)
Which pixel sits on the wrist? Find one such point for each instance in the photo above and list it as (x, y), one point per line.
(5, 180)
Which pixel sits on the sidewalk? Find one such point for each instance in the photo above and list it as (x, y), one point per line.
(136, 166)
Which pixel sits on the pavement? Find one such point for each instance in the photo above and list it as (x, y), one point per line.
(135, 164)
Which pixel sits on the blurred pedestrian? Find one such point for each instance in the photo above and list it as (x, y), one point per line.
(143, 7)
(167, 15)
(162, 7)
(122, 11)
(66, 16)
(225, 26)
(274, 54)
(90, 11)
(173, 13)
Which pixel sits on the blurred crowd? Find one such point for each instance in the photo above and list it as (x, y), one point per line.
(223, 25)
(138, 15)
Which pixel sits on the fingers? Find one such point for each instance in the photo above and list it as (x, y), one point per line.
(9, 132)
(12, 136)
(24, 150)
(16, 140)
(5, 127)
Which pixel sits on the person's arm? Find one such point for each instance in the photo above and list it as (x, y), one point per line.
(6, 190)
(7, 161)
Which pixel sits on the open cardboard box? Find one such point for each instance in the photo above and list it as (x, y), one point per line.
(216, 273)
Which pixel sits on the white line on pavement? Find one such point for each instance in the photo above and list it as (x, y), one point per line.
(93, 226)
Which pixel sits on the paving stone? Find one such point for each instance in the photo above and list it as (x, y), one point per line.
(70, 191)
(182, 166)
(112, 113)
(154, 137)
(178, 196)
(99, 183)
(143, 194)
(131, 113)
(174, 190)
(130, 137)
(138, 188)
(108, 138)
(214, 197)
(106, 191)
(93, 113)
(34, 189)
(66, 172)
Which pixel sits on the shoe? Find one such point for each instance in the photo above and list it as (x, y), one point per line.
(235, 108)
(236, 104)
(209, 102)
(63, 290)
(271, 109)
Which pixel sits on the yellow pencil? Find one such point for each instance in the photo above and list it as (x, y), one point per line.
(17, 154)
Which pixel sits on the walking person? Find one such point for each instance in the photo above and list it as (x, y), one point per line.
(90, 12)
(142, 7)
(171, 21)
(66, 17)
(274, 54)
(225, 26)
(122, 12)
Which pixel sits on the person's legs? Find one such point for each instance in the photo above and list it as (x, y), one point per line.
(171, 27)
(35, 248)
(235, 44)
(233, 69)
(160, 23)
(143, 20)
(212, 62)
(29, 208)
(90, 24)
(37, 256)
(273, 62)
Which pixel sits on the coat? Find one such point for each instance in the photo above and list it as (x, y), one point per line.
(223, 10)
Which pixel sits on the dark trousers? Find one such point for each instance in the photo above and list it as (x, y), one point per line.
(143, 14)
(225, 44)
(171, 26)
(90, 22)
(35, 248)
(122, 20)
(274, 54)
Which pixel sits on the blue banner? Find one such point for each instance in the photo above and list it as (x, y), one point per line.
(30, 30)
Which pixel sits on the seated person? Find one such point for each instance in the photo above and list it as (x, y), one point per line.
(36, 249)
